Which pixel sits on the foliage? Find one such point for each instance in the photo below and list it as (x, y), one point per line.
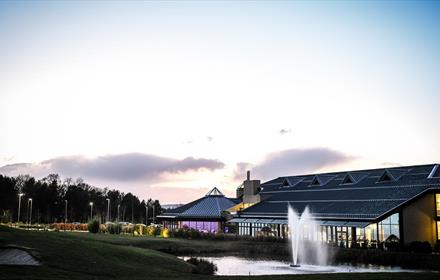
(165, 232)
(69, 226)
(93, 226)
(202, 266)
(138, 229)
(152, 230)
(49, 196)
(190, 233)
(114, 228)
(420, 247)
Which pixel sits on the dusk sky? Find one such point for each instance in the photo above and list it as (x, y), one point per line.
(169, 99)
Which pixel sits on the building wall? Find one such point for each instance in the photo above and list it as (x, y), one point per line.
(419, 220)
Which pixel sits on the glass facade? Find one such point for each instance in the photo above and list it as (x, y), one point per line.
(345, 236)
(437, 208)
(437, 204)
(256, 229)
(388, 227)
(201, 225)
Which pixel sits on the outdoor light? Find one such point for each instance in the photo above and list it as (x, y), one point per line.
(91, 210)
(30, 210)
(19, 206)
(108, 209)
(65, 219)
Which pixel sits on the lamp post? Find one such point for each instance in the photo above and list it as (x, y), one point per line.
(19, 206)
(108, 209)
(146, 214)
(30, 210)
(65, 217)
(117, 218)
(91, 209)
(153, 213)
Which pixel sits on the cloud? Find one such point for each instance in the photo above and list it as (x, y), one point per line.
(391, 164)
(285, 131)
(294, 161)
(240, 170)
(121, 167)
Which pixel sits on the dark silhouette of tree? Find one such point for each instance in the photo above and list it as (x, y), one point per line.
(49, 196)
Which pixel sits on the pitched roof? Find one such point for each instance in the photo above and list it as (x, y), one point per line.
(210, 206)
(364, 198)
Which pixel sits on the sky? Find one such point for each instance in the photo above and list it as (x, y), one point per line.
(170, 99)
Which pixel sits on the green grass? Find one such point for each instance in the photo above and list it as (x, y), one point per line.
(98, 256)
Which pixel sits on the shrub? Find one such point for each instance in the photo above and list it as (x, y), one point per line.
(93, 226)
(165, 233)
(202, 266)
(420, 247)
(114, 228)
(138, 229)
(437, 247)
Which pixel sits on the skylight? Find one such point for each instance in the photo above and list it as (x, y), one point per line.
(386, 177)
(315, 182)
(348, 180)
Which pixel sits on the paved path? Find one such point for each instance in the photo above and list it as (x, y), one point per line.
(14, 256)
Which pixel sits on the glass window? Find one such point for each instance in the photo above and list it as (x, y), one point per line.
(438, 230)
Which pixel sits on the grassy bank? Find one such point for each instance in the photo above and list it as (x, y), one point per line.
(89, 256)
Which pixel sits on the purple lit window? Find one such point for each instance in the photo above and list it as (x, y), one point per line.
(202, 226)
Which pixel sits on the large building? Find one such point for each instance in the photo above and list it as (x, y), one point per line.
(364, 207)
(206, 214)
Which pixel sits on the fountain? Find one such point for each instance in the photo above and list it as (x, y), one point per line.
(304, 240)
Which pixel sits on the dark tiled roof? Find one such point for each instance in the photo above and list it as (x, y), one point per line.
(365, 198)
(210, 206)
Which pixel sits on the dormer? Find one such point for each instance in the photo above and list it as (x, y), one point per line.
(348, 180)
(291, 182)
(315, 182)
(386, 177)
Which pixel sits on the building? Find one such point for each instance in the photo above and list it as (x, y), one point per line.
(207, 214)
(364, 207)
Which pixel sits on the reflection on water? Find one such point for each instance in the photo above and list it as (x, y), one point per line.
(232, 265)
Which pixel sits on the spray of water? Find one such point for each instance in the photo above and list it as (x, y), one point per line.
(304, 239)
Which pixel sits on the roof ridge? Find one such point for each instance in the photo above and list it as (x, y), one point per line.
(356, 170)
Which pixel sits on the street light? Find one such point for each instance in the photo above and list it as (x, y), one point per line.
(19, 206)
(30, 210)
(108, 209)
(146, 214)
(65, 218)
(117, 218)
(153, 213)
(91, 209)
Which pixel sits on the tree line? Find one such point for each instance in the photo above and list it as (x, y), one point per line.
(50, 196)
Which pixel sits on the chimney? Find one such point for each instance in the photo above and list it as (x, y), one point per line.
(251, 189)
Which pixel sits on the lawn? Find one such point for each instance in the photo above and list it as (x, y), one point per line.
(82, 256)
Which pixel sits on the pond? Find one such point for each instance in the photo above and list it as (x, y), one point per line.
(233, 265)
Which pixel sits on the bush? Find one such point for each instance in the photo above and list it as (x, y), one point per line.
(437, 247)
(138, 229)
(114, 228)
(202, 266)
(165, 232)
(93, 226)
(420, 247)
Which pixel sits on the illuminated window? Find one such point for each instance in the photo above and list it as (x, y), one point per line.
(437, 203)
(438, 230)
(388, 227)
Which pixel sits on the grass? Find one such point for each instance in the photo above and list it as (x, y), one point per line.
(67, 255)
